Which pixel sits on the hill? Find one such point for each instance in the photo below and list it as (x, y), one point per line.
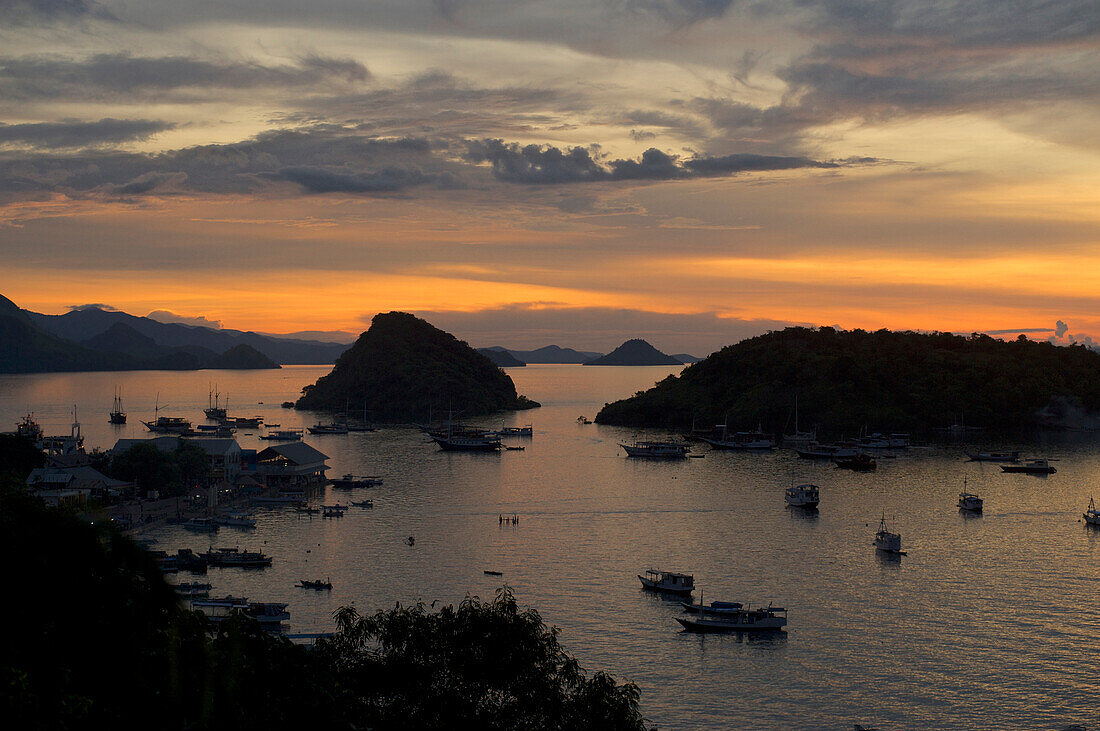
(501, 357)
(403, 368)
(634, 353)
(89, 322)
(885, 381)
(25, 348)
(242, 357)
(686, 358)
(549, 354)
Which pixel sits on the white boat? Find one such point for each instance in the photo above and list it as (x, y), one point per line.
(741, 440)
(826, 451)
(1031, 467)
(970, 501)
(995, 456)
(668, 582)
(466, 440)
(805, 495)
(1091, 514)
(887, 541)
(330, 428)
(283, 435)
(235, 520)
(657, 450)
(798, 436)
(200, 524)
(516, 431)
(764, 619)
(266, 613)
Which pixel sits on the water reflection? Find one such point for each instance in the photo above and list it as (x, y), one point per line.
(887, 558)
(802, 514)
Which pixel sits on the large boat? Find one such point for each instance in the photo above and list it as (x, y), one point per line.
(28, 428)
(657, 450)
(764, 619)
(283, 435)
(516, 431)
(995, 456)
(826, 451)
(1091, 514)
(859, 463)
(168, 425)
(214, 409)
(741, 440)
(349, 481)
(118, 416)
(885, 540)
(802, 496)
(467, 441)
(268, 614)
(330, 428)
(200, 524)
(1031, 467)
(667, 582)
(236, 558)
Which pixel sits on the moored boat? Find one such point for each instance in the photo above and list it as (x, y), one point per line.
(516, 431)
(283, 435)
(712, 608)
(330, 428)
(467, 441)
(363, 503)
(350, 481)
(1092, 514)
(317, 584)
(995, 456)
(200, 525)
(970, 501)
(859, 463)
(826, 451)
(118, 416)
(885, 540)
(763, 619)
(805, 495)
(657, 450)
(668, 582)
(236, 558)
(235, 520)
(1031, 467)
(168, 425)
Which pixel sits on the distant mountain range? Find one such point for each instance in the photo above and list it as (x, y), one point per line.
(635, 353)
(632, 352)
(85, 324)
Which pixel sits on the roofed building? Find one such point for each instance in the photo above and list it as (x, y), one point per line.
(295, 464)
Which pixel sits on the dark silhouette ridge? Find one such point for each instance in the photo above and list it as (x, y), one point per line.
(634, 353)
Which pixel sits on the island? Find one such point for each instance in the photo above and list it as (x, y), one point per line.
(501, 357)
(846, 381)
(405, 369)
(634, 353)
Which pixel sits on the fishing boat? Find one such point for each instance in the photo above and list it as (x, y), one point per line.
(28, 428)
(330, 428)
(826, 451)
(802, 496)
(995, 456)
(583, 420)
(283, 435)
(656, 450)
(467, 441)
(1031, 467)
(333, 511)
(859, 463)
(168, 425)
(763, 619)
(349, 481)
(363, 503)
(236, 558)
(190, 590)
(667, 582)
(516, 431)
(118, 416)
(235, 520)
(712, 608)
(885, 540)
(243, 422)
(969, 501)
(1092, 514)
(200, 524)
(317, 584)
(305, 510)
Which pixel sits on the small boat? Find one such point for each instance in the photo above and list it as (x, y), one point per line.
(764, 619)
(668, 582)
(1092, 514)
(235, 520)
(168, 425)
(317, 584)
(189, 590)
(118, 416)
(802, 496)
(492, 573)
(712, 608)
(514, 449)
(859, 463)
(200, 525)
(750, 440)
(305, 509)
(266, 613)
(1031, 467)
(242, 422)
(363, 503)
(970, 501)
(656, 450)
(516, 431)
(826, 451)
(287, 404)
(330, 428)
(583, 420)
(331, 513)
(995, 457)
(885, 540)
(236, 558)
(283, 435)
(349, 481)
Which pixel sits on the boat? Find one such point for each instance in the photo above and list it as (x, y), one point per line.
(860, 463)
(826, 451)
(283, 435)
(1031, 467)
(28, 428)
(513, 449)
(741, 440)
(656, 450)
(802, 496)
(712, 608)
(1091, 514)
(363, 503)
(214, 409)
(764, 619)
(266, 613)
(118, 416)
(330, 428)
(798, 436)
(885, 540)
(236, 558)
(168, 425)
(969, 501)
(200, 524)
(516, 431)
(305, 510)
(333, 511)
(190, 590)
(242, 422)
(350, 481)
(467, 441)
(187, 560)
(583, 420)
(668, 582)
(287, 404)
(235, 520)
(995, 457)
(317, 584)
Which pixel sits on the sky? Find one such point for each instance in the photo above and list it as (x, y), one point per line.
(525, 172)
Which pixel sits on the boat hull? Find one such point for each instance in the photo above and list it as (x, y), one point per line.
(707, 625)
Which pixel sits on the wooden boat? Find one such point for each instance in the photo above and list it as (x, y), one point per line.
(886, 541)
(826, 451)
(1031, 467)
(1092, 514)
(657, 450)
(236, 558)
(118, 416)
(969, 501)
(317, 584)
(363, 503)
(802, 496)
(764, 619)
(859, 463)
(712, 608)
(667, 582)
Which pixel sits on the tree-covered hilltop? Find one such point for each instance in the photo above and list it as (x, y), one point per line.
(403, 368)
(847, 380)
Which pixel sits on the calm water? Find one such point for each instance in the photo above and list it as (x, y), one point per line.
(989, 622)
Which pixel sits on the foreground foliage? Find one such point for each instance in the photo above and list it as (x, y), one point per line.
(105, 644)
(846, 380)
(171, 473)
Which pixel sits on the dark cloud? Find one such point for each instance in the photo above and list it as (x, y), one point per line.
(94, 306)
(24, 12)
(167, 316)
(114, 75)
(535, 164)
(389, 179)
(70, 134)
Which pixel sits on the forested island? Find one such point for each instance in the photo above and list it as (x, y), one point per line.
(886, 381)
(403, 369)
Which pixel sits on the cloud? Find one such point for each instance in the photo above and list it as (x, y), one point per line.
(70, 134)
(26, 12)
(93, 306)
(538, 164)
(114, 75)
(1060, 329)
(167, 316)
(386, 180)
